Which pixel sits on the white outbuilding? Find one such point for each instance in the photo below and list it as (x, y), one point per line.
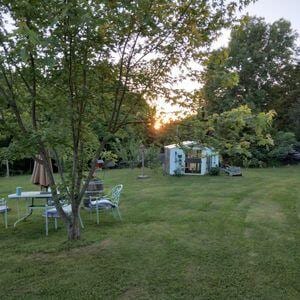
(189, 158)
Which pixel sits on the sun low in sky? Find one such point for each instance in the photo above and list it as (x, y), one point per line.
(167, 112)
(158, 123)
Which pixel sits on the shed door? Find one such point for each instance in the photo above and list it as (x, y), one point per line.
(209, 163)
(193, 165)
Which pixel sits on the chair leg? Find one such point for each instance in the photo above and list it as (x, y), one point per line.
(46, 220)
(97, 211)
(113, 211)
(55, 223)
(5, 219)
(80, 220)
(119, 214)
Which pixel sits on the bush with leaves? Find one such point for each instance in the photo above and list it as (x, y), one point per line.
(284, 143)
(237, 132)
(128, 151)
(215, 171)
(152, 157)
(109, 156)
(178, 172)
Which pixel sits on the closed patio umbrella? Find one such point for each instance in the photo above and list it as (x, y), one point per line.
(39, 174)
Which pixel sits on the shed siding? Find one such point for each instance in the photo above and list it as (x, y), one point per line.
(172, 162)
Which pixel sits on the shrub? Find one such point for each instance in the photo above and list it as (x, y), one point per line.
(284, 143)
(178, 172)
(215, 171)
(152, 160)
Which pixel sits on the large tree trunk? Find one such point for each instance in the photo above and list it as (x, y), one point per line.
(74, 229)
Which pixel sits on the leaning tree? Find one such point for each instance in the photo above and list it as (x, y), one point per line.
(74, 71)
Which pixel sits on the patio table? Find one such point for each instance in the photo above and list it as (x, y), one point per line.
(32, 196)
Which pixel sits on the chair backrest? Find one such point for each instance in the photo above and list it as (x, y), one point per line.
(115, 193)
(51, 204)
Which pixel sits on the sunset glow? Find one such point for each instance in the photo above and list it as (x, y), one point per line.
(157, 124)
(167, 112)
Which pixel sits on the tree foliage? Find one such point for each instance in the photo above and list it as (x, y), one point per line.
(257, 68)
(284, 143)
(238, 133)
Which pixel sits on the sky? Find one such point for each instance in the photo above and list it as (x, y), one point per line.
(271, 10)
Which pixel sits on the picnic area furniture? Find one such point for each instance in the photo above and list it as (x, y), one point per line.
(31, 196)
(3, 210)
(52, 213)
(94, 190)
(233, 171)
(108, 202)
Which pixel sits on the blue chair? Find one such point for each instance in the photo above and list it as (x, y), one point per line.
(3, 210)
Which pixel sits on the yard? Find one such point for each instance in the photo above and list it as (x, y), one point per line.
(181, 238)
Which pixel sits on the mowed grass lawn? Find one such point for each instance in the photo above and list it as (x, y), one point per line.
(181, 238)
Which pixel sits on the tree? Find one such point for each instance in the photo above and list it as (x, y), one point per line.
(239, 134)
(254, 69)
(69, 73)
(289, 110)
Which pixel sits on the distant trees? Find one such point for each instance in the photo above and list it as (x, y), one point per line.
(290, 104)
(258, 68)
(250, 96)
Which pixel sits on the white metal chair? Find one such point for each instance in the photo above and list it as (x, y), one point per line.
(3, 210)
(52, 213)
(108, 202)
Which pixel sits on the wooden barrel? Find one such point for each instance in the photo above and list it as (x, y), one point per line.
(94, 189)
(95, 185)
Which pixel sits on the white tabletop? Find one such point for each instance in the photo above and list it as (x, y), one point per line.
(32, 194)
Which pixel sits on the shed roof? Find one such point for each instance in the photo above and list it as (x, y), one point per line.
(190, 144)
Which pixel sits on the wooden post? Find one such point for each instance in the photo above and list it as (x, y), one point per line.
(7, 167)
(142, 151)
(143, 159)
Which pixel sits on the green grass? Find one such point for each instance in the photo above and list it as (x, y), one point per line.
(181, 238)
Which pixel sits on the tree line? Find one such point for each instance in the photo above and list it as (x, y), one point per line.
(248, 106)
